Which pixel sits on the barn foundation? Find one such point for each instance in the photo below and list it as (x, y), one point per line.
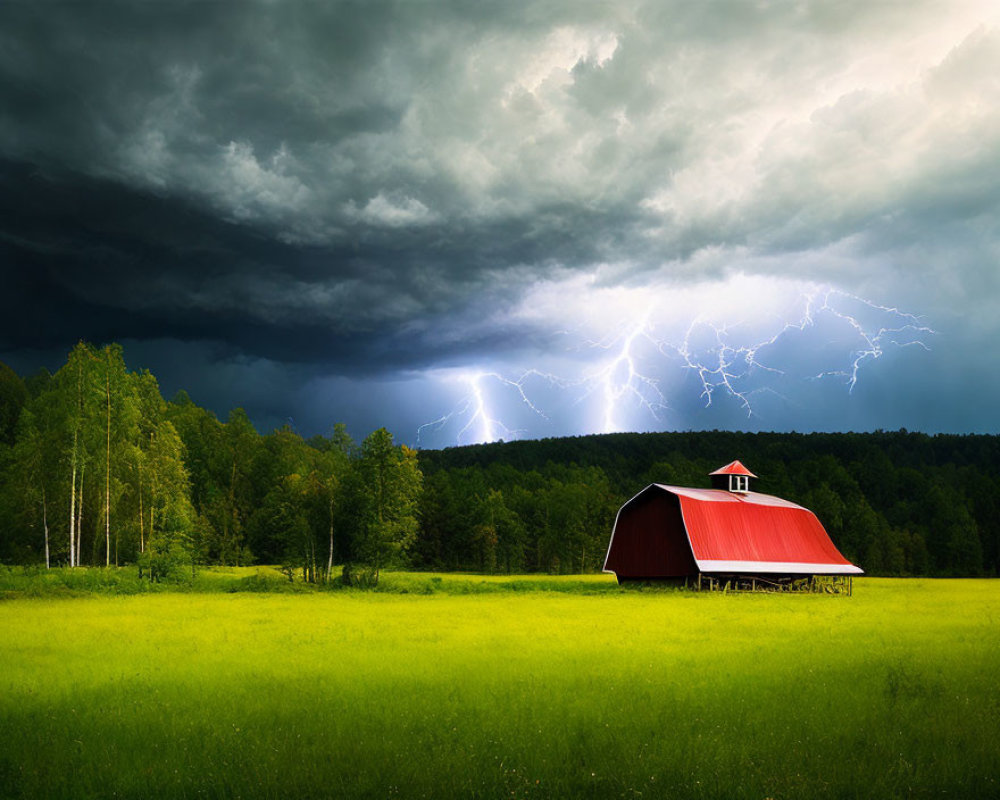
(808, 584)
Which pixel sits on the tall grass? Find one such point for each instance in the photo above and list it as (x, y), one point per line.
(505, 693)
(34, 581)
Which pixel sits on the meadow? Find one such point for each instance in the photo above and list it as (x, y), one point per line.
(464, 686)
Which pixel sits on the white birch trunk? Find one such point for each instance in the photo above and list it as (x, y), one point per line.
(45, 525)
(329, 561)
(79, 515)
(107, 479)
(142, 522)
(72, 509)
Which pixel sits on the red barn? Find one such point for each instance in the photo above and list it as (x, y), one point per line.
(728, 534)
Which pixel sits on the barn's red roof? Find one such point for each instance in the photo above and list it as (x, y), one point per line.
(753, 532)
(733, 468)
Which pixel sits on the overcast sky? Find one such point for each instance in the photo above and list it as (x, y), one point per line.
(519, 220)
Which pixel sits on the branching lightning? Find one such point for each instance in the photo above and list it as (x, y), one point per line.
(651, 346)
(619, 378)
(873, 343)
(479, 424)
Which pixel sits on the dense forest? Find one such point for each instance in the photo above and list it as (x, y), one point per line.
(99, 469)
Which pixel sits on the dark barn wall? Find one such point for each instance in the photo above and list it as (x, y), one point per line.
(649, 539)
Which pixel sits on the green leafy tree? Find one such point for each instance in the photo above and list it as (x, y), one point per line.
(326, 483)
(296, 521)
(121, 428)
(284, 511)
(13, 397)
(499, 534)
(209, 469)
(151, 410)
(439, 528)
(241, 442)
(388, 488)
(25, 489)
(171, 544)
(38, 382)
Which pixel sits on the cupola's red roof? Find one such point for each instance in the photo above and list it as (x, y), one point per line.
(733, 468)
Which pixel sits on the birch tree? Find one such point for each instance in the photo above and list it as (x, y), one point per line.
(77, 394)
(121, 429)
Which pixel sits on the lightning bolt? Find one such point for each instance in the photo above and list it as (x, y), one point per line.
(732, 363)
(619, 377)
(474, 408)
(723, 371)
(874, 342)
(727, 359)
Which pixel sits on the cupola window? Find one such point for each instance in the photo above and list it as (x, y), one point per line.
(739, 483)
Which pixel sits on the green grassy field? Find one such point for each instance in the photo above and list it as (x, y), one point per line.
(553, 688)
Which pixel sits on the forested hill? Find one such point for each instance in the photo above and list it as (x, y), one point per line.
(97, 468)
(627, 458)
(897, 503)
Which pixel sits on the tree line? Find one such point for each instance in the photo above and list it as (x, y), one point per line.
(895, 503)
(99, 469)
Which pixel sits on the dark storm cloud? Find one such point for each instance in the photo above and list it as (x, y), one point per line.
(375, 188)
(91, 255)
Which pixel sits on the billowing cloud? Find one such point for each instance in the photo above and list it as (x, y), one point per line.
(396, 191)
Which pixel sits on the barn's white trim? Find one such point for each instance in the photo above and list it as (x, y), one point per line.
(777, 567)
